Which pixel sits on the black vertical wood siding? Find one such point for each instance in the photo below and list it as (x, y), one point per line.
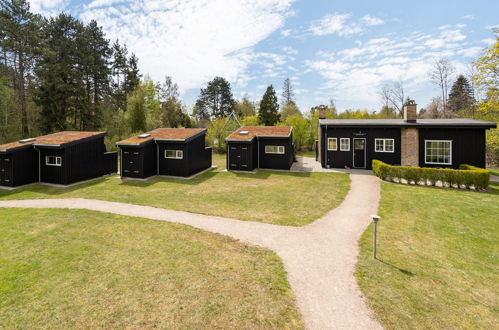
(276, 161)
(468, 145)
(252, 154)
(149, 159)
(340, 159)
(242, 156)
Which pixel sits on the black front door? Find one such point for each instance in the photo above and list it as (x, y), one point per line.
(238, 158)
(359, 153)
(131, 164)
(5, 170)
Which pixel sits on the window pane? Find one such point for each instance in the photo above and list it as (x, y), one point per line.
(332, 144)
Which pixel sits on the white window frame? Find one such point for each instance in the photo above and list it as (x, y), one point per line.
(335, 144)
(279, 150)
(384, 145)
(179, 154)
(438, 163)
(58, 161)
(341, 146)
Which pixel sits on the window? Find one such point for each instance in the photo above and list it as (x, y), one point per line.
(274, 149)
(53, 161)
(174, 154)
(384, 145)
(438, 152)
(344, 144)
(331, 144)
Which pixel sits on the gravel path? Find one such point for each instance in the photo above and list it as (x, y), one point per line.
(319, 258)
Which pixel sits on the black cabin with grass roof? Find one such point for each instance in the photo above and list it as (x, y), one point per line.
(176, 152)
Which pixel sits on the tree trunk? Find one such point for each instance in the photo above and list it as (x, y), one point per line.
(22, 98)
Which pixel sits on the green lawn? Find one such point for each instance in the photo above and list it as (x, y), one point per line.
(438, 257)
(82, 269)
(494, 171)
(281, 198)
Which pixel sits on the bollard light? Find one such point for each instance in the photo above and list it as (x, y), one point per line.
(375, 222)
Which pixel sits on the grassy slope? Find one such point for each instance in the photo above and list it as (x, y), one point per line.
(438, 259)
(494, 171)
(274, 197)
(73, 269)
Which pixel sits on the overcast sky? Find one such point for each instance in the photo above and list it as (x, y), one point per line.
(343, 50)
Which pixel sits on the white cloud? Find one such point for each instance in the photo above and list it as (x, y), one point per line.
(102, 3)
(47, 7)
(286, 32)
(334, 24)
(354, 74)
(372, 21)
(192, 40)
(290, 50)
(468, 17)
(488, 41)
(447, 38)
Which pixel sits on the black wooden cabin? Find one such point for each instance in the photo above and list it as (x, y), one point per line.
(177, 152)
(445, 143)
(266, 147)
(61, 158)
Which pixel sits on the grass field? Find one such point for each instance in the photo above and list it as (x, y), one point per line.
(82, 269)
(494, 171)
(281, 198)
(438, 259)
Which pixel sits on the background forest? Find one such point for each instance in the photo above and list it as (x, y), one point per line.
(59, 73)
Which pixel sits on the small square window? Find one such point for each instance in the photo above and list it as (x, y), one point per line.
(384, 145)
(331, 144)
(53, 161)
(344, 144)
(174, 154)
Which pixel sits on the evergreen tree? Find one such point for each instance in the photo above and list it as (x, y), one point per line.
(20, 39)
(60, 91)
(461, 95)
(269, 108)
(216, 99)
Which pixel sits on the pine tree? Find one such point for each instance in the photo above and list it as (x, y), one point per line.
(60, 94)
(461, 96)
(20, 39)
(216, 99)
(269, 108)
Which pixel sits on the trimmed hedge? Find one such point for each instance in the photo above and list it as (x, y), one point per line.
(467, 175)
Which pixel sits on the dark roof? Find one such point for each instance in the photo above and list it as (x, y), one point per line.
(54, 140)
(456, 122)
(247, 133)
(163, 134)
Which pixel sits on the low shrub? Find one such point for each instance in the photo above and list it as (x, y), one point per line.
(467, 175)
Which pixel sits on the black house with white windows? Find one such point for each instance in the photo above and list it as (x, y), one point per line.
(354, 143)
(176, 152)
(60, 158)
(266, 147)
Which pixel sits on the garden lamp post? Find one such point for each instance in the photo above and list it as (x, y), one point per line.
(375, 222)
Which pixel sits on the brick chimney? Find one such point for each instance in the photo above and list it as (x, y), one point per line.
(410, 111)
(322, 113)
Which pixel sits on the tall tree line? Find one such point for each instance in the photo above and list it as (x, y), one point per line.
(65, 74)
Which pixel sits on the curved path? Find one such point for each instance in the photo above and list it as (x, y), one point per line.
(319, 258)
